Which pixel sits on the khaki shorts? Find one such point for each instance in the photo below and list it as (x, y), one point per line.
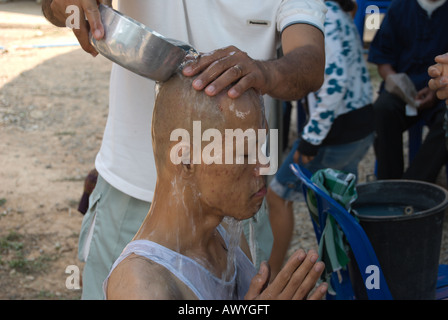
(108, 226)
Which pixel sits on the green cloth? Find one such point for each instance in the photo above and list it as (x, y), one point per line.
(341, 187)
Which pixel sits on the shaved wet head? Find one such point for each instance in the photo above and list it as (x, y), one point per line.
(178, 105)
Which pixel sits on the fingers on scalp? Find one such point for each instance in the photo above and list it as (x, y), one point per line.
(244, 83)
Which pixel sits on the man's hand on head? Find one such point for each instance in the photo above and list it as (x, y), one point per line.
(223, 67)
(299, 71)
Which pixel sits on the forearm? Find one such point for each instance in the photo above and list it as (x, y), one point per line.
(297, 73)
(385, 70)
(49, 15)
(89, 17)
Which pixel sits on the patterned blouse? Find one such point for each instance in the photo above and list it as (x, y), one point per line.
(346, 84)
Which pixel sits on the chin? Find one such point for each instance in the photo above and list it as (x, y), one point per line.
(248, 212)
(253, 211)
(244, 215)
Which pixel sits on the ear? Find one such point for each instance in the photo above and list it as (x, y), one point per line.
(186, 162)
(181, 158)
(187, 170)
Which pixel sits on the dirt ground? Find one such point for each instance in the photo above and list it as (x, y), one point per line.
(53, 108)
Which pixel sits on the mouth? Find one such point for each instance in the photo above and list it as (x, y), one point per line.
(260, 193)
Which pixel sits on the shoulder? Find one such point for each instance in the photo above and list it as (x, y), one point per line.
(138, 278)
(301, 11)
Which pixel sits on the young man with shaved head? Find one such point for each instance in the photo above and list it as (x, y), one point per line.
(181, 251)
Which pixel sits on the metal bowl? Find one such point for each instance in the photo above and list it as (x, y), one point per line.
(137, 48)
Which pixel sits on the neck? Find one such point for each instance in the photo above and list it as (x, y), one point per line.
(179, 221)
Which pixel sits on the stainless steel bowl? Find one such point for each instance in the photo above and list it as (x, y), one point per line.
(137, 48)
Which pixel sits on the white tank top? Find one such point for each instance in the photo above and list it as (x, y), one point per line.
(201, 281)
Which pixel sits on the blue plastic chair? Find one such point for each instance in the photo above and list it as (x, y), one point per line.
(442, 283)
(360, 244)
(361, 12)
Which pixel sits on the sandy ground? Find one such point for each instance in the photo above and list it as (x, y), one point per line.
(53, 108)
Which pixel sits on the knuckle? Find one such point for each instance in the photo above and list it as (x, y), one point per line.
(251, 78)
(236, 71)
(284, 276)
(301, 293)
(231, 47)
(214, 67)
(241, 55)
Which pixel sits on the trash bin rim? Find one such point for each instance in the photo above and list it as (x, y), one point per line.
(420, 214)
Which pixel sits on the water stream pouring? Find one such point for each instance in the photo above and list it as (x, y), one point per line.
(137, 48)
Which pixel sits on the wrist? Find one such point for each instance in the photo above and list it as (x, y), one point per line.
(270, 75)
(384, 70)
(49, 14)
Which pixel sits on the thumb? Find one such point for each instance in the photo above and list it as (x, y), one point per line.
(259, 282)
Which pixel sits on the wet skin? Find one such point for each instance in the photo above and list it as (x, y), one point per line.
(191, 200)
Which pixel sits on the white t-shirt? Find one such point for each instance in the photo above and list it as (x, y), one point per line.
(126, 159)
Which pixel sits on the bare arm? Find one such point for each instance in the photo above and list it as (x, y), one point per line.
(303, 63)
(385, 70)
(137, 278)
(290, 77)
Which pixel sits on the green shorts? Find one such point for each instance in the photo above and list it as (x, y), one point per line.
(108, 226)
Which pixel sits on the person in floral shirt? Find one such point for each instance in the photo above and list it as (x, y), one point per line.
(339, 130)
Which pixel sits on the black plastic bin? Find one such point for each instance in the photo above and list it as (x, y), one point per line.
(404, 222)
